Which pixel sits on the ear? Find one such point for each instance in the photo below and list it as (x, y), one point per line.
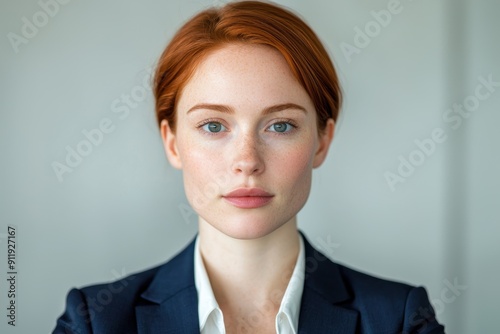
(325, 140)
(170, 144)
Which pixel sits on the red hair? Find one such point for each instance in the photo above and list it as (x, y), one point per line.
(251, 22)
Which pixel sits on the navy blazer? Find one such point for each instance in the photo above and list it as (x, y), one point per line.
(164, 299)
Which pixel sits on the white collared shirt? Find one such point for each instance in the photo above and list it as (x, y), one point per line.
(210, 315)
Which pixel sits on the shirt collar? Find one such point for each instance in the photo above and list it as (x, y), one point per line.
(287, 319)
(208, 308)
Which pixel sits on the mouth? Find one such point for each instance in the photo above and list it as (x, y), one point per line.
(248, 202)
(248, 198)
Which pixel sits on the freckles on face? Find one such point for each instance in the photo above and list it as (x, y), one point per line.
(203, 171)
(244, 121)
(295, 170)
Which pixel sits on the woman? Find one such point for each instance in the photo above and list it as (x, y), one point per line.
(246, 100)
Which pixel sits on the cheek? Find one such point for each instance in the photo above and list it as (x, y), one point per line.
(203, 171)
(194, 154)
(296, 166)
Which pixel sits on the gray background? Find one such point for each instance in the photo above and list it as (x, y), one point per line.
(123, 209)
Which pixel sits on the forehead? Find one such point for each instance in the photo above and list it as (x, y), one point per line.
(244, 75)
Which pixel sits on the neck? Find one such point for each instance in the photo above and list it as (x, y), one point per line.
(253, 271)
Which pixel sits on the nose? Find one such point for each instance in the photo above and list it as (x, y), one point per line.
(247, 156)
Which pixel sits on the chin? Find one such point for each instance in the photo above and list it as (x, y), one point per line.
(249, 229)
(247, 232)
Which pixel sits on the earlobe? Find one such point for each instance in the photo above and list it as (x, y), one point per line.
(170, 144)
(325, 139)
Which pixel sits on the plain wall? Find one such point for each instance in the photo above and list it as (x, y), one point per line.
(123, 209)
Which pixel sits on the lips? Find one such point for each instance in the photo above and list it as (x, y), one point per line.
(248, 198)
(248, 192)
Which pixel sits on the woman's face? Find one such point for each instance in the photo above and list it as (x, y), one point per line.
(244, 121)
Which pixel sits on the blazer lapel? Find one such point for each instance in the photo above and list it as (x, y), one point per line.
(317, 315)
(321, 309)
(170, 303)
(178, 314)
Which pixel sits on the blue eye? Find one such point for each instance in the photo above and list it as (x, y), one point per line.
(213, 127)
(282, 127)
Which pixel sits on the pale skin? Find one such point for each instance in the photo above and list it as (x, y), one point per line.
(249, 253)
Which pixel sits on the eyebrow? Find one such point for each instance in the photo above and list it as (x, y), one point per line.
(228, 110)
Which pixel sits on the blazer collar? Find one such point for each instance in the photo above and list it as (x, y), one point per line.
(321, 309)
(170, 303)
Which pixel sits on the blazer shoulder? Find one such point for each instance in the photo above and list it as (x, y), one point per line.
(376, 297)
(370, 286)
(130, 285)
(110, 307)
(108, 304)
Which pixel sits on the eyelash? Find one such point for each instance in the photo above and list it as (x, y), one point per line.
(291, 122)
